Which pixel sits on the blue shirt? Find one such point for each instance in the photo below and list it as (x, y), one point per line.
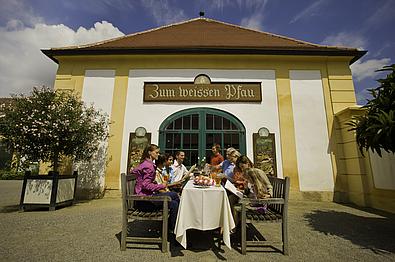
(229, 171)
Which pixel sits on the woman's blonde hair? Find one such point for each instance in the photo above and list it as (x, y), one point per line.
(243, 160)
(260, 182)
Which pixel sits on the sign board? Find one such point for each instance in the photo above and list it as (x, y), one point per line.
(192, 92)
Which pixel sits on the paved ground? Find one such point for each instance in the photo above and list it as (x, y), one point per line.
(89, 231)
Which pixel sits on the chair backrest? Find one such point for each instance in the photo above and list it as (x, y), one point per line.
(128, 182)
(280, 190)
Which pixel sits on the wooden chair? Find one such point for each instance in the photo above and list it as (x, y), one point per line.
(130, 214)
(277, 212)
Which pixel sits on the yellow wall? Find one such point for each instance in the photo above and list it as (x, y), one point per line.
(335, 72)
(354, 181)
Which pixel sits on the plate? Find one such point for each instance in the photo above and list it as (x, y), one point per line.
(199, 186)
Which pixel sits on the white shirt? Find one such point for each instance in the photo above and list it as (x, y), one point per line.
(178, 172)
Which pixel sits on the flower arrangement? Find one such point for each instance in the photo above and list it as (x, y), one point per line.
(201, 163)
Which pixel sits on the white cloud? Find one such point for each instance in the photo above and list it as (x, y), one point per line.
(308, 11)
(255, 21)
(18, 10)
(248, 4)
(345, 39)
(164, 12)
(99, 6)
(381, 14)
(22, 65)
(361, 70)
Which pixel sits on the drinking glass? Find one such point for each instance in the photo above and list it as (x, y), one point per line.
(217, 179)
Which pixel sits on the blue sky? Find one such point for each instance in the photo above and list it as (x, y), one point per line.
(26, 26)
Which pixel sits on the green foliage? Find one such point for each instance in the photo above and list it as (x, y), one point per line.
(7, 174)
(48, 124)
(5, 157)
(376, 129)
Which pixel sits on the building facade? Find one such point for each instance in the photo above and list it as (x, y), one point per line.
(199, 82)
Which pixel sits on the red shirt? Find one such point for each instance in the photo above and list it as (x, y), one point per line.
(216, 160)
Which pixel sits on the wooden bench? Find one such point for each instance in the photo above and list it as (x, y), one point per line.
(277, 212)
(130, 214)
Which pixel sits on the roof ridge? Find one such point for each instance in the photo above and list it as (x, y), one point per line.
(209, 20)
(276, 35)
(132, 34)
(268, 33)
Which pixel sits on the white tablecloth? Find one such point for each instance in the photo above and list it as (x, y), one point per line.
(203, 209)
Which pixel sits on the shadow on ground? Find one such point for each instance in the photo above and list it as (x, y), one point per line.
(198, 241)
(374, 233)
(9, 209)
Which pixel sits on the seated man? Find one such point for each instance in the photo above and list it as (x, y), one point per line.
(179, 170)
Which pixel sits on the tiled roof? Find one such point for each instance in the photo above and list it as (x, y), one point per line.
(202, 35)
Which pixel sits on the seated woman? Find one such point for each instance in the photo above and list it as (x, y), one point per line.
(230, 163)
(240, 182)
(242, 163)
(259, 187)
(146, 185)
(258, 184)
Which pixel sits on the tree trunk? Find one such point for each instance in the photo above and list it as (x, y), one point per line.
(55, 162)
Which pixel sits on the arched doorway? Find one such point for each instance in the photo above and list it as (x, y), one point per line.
(195, 130)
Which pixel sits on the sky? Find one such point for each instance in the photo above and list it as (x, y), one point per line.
(26, 26)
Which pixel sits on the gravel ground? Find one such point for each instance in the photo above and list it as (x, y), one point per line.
(89, 231)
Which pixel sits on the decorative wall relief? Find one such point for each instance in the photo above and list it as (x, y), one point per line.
(265, 153)
(137, 142)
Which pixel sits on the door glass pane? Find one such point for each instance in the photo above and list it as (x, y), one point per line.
(209, 122)
(169, 140)
(186, 123)
(194, 157)
(227, 140)
(187, 141)
(226, 123)
(213, 139)
(191, 157)
(195, 122)
(234, 127)
(195, 141)
(217, 122)
(177, 141)
(235, 140)
(209, 140)
(178, 123)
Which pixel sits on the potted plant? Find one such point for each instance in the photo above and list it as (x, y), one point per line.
(44, 127)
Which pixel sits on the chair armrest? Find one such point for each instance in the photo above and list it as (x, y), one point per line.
(149, 198)
(245, 201)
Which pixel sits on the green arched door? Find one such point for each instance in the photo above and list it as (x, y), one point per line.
(195, 130)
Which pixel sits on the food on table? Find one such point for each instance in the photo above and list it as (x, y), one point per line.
(203, 181)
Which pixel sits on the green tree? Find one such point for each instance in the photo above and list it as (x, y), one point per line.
(375, 129)
(49, 124)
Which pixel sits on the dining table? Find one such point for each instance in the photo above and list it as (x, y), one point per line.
(203, 208)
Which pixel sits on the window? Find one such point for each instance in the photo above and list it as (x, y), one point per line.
(195, 130)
